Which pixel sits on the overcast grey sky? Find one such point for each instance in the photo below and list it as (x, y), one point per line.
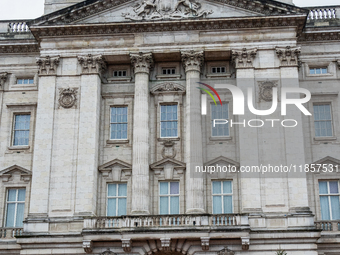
(30, 9)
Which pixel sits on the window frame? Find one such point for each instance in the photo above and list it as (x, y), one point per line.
(116, 197)
(218, 67)
(127, 123)
(16, 207)
(318, 68)
(331, 120)
(23, 79)
(13, 129)
(222, 195)
(328, 195)
(169, 195)
(160, 120)
(211, 122)
(172, 70)
(119, 70)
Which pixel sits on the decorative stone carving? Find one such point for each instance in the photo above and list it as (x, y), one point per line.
(6, 174)
(266, 90)
(67, 97)
(165, 244)
(225, 251)
(166, 9)
(168, 87)
(87, 245)
(19, 48)
(244, 58)
(142, 62)
(205, 243)
(48, 65)
(289, 56)
(108, 252)
(126, 244)
(92, 64)
(169, 150)
(192, 60)
(245, 243)
(3, 78)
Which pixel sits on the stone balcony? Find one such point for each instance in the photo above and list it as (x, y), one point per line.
(10, 233)
(323, 16)
(328, 226)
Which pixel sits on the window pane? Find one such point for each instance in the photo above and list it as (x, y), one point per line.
(111, 207)
(227, 187)
(323, 188)
(121, 206)
(163, 188)
(174, 205)
(335, 207)
(112, 190)
(217, 204)
(122, 189)
(10, 215)
(174, 187)
(228, 204)
(216, 187)
(333, 187)
(21, 195)
(12, 195)
(20, 215)
(164, 205)
(324, 204)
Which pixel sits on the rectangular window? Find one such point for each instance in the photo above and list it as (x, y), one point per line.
(318, 70)
(169, 120)
(15, 207)
(220, 69)
(322, 120)
(116, 199)
(219, 112)
(119, 73)
(118, 122)
(25, 81)
(222, 195)
(169, 198)
(329, 200)
(21, 129)
(166, 71)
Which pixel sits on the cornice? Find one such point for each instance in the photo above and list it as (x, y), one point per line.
(320, 36)
(19, 48)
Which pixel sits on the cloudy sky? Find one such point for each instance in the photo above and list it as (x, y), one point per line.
(29, 9)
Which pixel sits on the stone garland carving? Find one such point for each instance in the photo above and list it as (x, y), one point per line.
(169, 150)
(48, 65)
(166, 9)
(3, 78)
(19, 48)
(142, 62)
(266, 90)
(108, 252)
(67, 97)
(289, 56)
(92, 64)
(192, 60)
(168, 87)
(244, 58)
(225, 251)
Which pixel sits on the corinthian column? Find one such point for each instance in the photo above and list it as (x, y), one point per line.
(193, 61)
(142, 64)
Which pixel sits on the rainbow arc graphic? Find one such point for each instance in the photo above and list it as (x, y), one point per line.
(204, 97)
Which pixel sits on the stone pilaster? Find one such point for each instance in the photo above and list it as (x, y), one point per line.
(142, 64)
(248, 138)
(43, 143)
(194, 188)
(89, 118)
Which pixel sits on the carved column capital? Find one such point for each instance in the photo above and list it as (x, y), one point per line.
(3, 78)
(192, 60)
(92, 64)
(244, 58)
(288, 56)
(142, 62)
(48, 65)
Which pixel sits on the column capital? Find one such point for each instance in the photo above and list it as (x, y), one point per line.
(48, 65)
(92, 64)
(289, 56)
(142, 62)
(244, 58)
(192, 60)
(3, 78)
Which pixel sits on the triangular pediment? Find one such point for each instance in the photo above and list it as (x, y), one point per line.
(168, 161)
(222, 161)
(113, 11)
(113, 163)
(15, 168)
(327, 160)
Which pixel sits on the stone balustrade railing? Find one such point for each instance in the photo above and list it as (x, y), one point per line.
(147, 221)
(328, 225)
(323, 13)
(9, 233)
(14, 26)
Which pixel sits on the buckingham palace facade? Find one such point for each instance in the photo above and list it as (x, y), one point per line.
(109, 140)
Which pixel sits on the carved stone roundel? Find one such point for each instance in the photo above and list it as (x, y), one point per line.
(266, 90)
(67, 97)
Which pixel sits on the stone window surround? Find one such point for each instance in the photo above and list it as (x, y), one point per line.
(331, 70)
(211, 64)
(16, 109)
(13, 85)
(112, 68)
(161, 66)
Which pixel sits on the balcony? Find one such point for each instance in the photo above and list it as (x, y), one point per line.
(329, 226)
(10, 233)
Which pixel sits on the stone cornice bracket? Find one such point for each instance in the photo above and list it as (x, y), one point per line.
(3, 78)
(92, 64)
(142, 62)
(205, 243)
(87, 245)
(244, 58)
(192, 60)
(165, 244)
(48, 65)
(288, 56)
(245, 243)
(126, 244)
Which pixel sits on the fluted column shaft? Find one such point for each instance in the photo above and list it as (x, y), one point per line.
(192, 61)
(142, 63)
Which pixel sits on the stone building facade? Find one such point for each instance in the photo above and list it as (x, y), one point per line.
(101, 129)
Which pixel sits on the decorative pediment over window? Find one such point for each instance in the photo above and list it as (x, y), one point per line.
(168, 87)
(117, 169)
(169, 168)
(332, 165)
(222, 161)
(9, 173)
